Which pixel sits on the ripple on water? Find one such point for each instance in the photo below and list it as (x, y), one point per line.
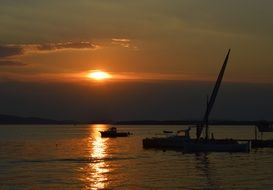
(82, 160)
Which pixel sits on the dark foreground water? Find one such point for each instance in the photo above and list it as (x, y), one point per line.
(75, 157)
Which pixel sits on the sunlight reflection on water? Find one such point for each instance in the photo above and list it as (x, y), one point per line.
(96, 172)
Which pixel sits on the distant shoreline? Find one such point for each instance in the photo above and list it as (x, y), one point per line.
(16, 120)
(185, 122)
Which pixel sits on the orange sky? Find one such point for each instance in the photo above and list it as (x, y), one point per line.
(163, 57)
(182, 40)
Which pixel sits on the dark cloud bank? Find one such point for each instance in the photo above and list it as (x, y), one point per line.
(135, 101)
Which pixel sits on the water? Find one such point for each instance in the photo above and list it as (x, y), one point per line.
(75, 157)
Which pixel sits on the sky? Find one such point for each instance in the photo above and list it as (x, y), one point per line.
(163, 57)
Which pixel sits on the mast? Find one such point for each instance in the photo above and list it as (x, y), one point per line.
(206, 121)
(212, 99)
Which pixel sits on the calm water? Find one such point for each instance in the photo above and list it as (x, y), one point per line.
(75, 157)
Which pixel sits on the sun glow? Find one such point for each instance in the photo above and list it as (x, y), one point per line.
(98, 75)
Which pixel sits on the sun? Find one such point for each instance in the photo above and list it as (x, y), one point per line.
(98, 75)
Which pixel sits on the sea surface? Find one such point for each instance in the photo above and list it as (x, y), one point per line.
(76, 157)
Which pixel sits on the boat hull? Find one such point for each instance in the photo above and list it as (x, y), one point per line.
(192, 147)
(110, 134)
(262, 143)
(175, 142)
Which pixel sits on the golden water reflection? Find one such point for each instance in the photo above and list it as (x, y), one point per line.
(96, 171)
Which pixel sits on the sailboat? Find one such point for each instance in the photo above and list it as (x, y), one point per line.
(208, 144)
(182, 139)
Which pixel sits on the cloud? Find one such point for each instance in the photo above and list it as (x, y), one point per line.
(66, 45)
(11, 50)
(40, 77)
(11, 63)
(122, 42)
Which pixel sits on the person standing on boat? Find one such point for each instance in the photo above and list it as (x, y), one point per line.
(187, 132)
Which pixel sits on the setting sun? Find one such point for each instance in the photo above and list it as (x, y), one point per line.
(98, 75)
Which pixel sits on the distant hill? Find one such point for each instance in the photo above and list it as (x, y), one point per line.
(186, 122)
(11, 119)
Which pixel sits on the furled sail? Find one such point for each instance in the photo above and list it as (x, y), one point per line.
(212, 99)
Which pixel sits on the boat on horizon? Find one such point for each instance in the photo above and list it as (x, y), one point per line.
(112, 133)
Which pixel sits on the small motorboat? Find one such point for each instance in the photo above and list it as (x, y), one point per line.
(112, 132)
